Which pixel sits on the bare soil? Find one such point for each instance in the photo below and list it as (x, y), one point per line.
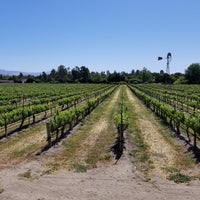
(109, 181)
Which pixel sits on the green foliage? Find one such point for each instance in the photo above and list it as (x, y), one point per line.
(176, 176)
(79, 167)
(121, 121)
(178, 116)
(193, 122)
(173, 106)
(83, 75)
(63, 118)
(180, 80)
(192, 74)
(121, 117)
(179, 178)
(20, 101)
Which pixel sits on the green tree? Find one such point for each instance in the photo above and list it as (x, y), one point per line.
(116, 77)
(76, 74)
(192, 74)
(96, 77)
(53, 75)
(44, 77)
(85, 74)
(62, 74)
(146, 75)
(167, 79)
(132, 72)
(21, 75)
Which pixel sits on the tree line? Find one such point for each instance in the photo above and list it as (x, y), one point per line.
(83, 75)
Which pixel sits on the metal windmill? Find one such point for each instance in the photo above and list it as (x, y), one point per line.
(169, 58)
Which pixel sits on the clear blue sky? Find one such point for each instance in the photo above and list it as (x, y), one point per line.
(121, 35)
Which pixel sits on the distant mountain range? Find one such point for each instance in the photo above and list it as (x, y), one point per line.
(16, 73)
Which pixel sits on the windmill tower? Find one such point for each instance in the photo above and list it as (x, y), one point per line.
(169, 58)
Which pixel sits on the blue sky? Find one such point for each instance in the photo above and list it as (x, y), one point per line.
(121, 35)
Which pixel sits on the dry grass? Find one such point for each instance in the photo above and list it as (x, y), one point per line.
(140, 149)
(22, 146)
(164, 152)
(28, 175)
(92, 142)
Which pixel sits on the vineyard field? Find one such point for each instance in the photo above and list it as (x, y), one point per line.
(179, 106)
(113, 141)
(22, 105)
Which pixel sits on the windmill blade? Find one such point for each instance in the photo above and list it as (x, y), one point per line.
(169, 57)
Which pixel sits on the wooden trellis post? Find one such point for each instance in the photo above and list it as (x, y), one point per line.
(48, 134)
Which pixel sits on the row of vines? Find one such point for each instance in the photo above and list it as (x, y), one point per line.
(121, 123)
(64, 121)
(179, 107)
(26, 102)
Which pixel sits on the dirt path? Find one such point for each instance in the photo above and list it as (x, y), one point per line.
(101, 126)
(162, 154)
(107, 182)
